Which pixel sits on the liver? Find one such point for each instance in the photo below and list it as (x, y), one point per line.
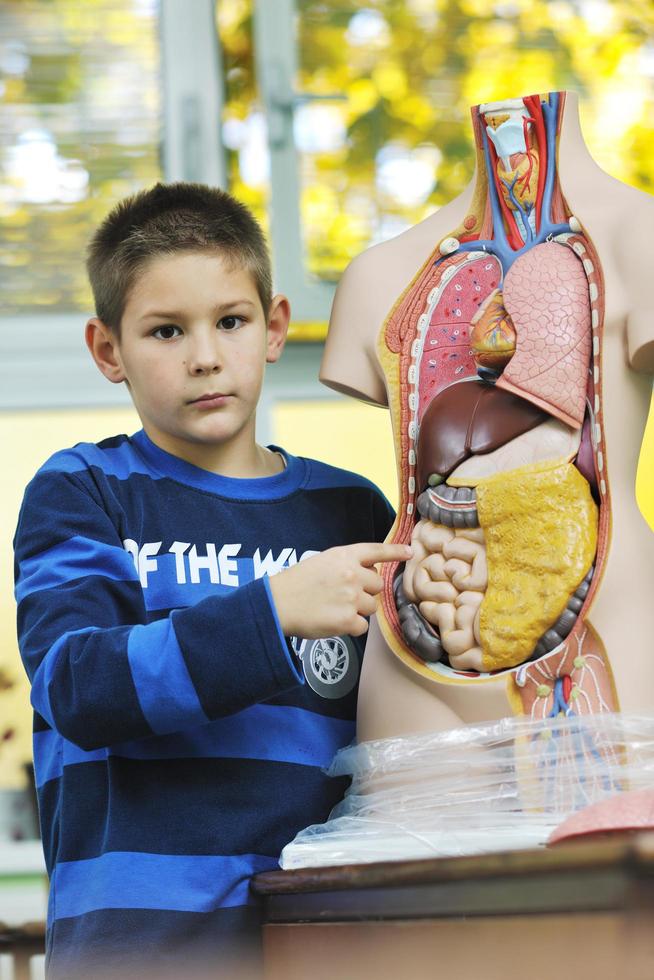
(583, 909)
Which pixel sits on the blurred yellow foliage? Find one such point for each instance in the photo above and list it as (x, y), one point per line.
(408, 71)
(411, 69)
(390, 80)
(362, 96)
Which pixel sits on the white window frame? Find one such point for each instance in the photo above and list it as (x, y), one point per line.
(43, 359)
(275, 52)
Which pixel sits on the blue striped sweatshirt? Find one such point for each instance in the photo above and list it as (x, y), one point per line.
(179, 737)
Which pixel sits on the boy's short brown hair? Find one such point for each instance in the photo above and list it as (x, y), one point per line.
(163, 220)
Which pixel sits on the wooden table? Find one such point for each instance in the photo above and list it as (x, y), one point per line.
(22, 943)
(582, 910)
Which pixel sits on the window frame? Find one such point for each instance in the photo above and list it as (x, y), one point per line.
(43, 358)
(275, 52)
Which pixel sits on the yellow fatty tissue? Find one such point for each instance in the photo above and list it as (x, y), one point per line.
(540, 524)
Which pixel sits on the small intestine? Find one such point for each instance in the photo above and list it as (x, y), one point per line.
(447, 579)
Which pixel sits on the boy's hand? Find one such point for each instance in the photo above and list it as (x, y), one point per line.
(331, 593)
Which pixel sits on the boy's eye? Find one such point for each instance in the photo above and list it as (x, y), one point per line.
(167, 332)
(231, 322)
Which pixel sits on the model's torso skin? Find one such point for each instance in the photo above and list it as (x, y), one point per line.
(397, 695)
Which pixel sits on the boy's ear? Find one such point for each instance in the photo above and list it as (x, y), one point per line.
(278, 320)
(105, 350)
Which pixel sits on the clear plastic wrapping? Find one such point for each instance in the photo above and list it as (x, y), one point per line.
(480, 788)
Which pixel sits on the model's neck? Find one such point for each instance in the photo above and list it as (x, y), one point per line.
(574, 155)
(522, 145)
(572, 149)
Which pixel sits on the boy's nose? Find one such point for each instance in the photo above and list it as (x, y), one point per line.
(204, 357)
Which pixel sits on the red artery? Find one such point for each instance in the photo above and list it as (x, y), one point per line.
(532, 103)
(567, 687)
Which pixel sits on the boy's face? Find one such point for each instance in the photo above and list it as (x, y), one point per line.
(193, 347)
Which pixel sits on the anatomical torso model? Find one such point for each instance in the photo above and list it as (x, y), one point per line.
(512, 337)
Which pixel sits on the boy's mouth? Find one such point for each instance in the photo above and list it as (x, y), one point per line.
(212, 400)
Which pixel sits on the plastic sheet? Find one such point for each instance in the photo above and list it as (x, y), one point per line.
(480, 788)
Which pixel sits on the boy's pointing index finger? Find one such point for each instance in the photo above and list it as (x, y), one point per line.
(374, 552)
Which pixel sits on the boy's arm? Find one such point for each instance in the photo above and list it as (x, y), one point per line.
(99, 676)
(336, 591)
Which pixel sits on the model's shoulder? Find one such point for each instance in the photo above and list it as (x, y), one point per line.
(632, 220)
(622, 207)
(635, 195)
(641, 213)
(112, 455)
(374, 279)
(414, 245)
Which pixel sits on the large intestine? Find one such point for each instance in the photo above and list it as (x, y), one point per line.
(515, 557)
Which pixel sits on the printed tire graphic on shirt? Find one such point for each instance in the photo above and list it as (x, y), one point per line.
(330, 665)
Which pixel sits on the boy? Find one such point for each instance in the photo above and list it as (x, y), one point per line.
(177, 747)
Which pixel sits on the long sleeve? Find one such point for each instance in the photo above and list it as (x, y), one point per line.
(179, 741)
(102, 673)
